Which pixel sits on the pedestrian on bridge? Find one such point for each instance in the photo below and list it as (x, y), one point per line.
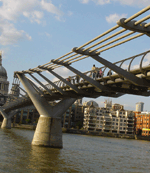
(109, 73)
(77, 78)
(94, 71)
(99, 73)
(69, 79)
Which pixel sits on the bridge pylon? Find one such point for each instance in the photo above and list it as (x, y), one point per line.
(48, 132)
(6, 124)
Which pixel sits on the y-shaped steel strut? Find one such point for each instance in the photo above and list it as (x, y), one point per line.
(48, 131)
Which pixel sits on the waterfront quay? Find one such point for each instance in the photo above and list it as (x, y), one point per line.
(88, 118)
(85, 132)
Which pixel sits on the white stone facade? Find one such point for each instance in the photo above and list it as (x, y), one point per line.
(108, 120)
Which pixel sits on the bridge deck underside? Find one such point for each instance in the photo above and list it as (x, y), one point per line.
(117, 83)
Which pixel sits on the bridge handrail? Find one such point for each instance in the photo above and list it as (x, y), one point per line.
(89, 73)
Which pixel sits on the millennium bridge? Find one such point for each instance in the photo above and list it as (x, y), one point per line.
(114, 81)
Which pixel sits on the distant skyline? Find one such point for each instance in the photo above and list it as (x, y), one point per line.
(32, 32)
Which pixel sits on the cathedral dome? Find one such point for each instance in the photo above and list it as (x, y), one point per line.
(3, 72)
(4, 84)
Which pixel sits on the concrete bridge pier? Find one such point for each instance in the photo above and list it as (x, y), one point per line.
(6, 124)
(48, 132)
(49, 129)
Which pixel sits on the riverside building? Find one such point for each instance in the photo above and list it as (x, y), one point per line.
(143, 123)
(142, 120)
(111, 118)
(73, 117)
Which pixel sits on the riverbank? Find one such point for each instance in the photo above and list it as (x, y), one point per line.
(94, 133)
(84, 132)
(106, 134)
(76, 131)
(22, 126)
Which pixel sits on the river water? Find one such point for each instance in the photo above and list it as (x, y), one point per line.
(80, 153)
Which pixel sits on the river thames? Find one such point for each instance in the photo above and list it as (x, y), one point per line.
(80, 153)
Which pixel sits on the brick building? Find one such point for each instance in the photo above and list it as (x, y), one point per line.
(142, 120)
(142, 123)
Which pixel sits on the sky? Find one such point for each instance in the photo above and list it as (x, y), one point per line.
(32, 32)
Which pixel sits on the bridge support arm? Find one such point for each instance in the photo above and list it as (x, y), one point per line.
(131, 25)
(39, 102)
(6, 124)
(35, 86)
(49, 91)
(88, 79)
(64, 80)
(48, 131)
(131, 77)
(51, 83)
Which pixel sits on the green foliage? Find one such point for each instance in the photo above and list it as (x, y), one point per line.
(28, 121)
(78, 125)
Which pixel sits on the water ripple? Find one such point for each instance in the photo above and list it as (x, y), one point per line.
(87, 154)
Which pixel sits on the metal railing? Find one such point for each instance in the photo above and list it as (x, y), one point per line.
(78, 80)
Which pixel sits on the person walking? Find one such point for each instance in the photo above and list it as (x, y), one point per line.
(69, 79)
(94, 71)
(77, 78)
(100, 72)
(109, 73)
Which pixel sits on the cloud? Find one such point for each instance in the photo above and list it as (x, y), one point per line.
(34, 16)
(139, 3)
(125, 66)
(47, 34)
(12, 10)
(52, 9)
(98, 2)
(10, 35)
(84, 1)
(147, 56)
(4, 51)
(70, 13)
(64, 72)
(146, 62)
(101, 2)
(113, 18)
